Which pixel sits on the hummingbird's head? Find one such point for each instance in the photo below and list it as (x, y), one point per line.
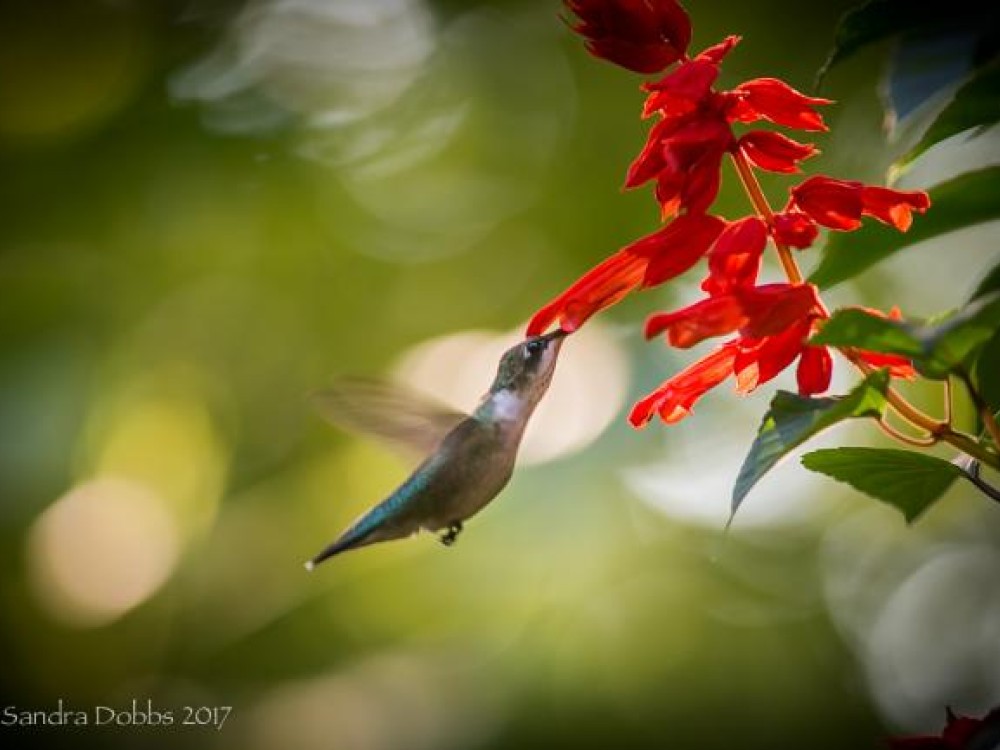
(526, 369)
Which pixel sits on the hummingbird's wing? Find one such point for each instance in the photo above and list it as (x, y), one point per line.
(387, 411)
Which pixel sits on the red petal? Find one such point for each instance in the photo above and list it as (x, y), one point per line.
(703, 180)
(686, 327)
(717, 52)
(601, 287)
(894, 207)
(735, 258)
(794, 229)
(650, 162)
(835, 204)
(898, 367)
(814, 371)
(772, 308)
(775, 100)
(774, 151)
(678, 246)
(644, 36)
(682, 90)
(760, 360)
(674, 399)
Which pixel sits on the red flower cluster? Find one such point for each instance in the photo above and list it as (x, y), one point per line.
(683, 155)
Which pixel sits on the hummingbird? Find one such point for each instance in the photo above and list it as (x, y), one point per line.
(471, 456)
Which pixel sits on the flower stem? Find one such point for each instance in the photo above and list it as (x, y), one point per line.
(760, 204)
(985, 412)
(936, 430)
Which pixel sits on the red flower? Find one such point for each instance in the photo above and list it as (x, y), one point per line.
(774, 100)
(684, 89)
(774, 151)
(894, 207)
(762, 359)
(644, 36)
(814, 371)
(648, 261)
(679, 246)
(734, 259)
(840, 204)
(674, 399)
(759, 311)
(794, 229)
(684, 156)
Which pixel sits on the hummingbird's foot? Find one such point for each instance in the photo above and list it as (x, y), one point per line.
(448, 538)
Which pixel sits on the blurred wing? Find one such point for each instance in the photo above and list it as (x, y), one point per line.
(387, 411)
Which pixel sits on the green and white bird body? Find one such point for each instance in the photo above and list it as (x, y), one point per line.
(472, 456)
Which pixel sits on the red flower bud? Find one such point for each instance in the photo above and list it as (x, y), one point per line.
(644, 36)
(794, 229)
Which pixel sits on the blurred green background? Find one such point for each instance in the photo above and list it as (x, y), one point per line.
(210, 208)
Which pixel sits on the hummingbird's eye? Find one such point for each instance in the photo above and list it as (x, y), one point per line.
(533, 347)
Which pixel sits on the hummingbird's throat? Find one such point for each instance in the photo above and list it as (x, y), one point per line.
(507, 406)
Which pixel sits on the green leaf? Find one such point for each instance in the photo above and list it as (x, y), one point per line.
(877, 20)
(906, 480)
(937, 348)
(793, 419)
(975, 105)
(926, 68)
(966, 200)
(986, 373)
(989, 283)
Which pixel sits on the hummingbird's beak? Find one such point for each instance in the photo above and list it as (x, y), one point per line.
(555, 335)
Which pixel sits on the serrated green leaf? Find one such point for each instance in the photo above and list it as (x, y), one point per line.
(966, 200)
(906, 480)
(975, 105)
(938, 348)
(793, 419)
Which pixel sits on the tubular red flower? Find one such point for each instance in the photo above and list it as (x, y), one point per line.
(894, 207)
(644, 36)
(760, 360)
(734, 259)
(675, 398)
(677, 247)
(757, 311)
(774, 151)
(648, 261)
(602, 286)
(771, 308)
(774, 100)
(840, 204)
(835, 204)
(794, 229)
(814, 371)
(715, 316)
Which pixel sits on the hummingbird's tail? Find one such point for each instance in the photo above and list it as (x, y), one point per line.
(342, 544)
